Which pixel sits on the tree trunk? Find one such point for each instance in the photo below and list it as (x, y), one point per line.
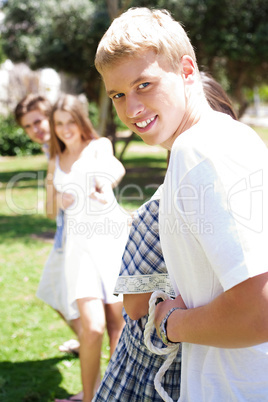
(107, 127)
(112, 8)
(239, 96)
(104, 104)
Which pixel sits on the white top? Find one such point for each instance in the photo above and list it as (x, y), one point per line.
(214, 235)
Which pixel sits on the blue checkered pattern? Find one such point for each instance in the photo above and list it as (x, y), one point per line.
(143, 253)
(143, 256)
(132, 368)
(131, 371)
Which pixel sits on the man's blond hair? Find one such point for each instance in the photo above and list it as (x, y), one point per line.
(142, 29)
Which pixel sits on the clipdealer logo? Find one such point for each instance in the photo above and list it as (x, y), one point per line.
(245, 201)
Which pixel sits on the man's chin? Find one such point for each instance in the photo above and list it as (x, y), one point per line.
(46, 138)
(43, 140)
(149, 140)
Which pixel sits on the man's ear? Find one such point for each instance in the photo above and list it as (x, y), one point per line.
(188, 68)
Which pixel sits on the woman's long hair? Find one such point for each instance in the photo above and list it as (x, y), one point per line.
(72, 105)
(216, 96)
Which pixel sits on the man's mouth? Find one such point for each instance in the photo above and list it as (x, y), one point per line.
(143, 124)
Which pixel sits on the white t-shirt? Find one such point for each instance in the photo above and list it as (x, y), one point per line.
(214, 235)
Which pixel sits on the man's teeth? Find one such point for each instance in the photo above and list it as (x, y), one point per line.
(143, 124)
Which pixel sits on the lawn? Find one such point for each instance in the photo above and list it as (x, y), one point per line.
(31, 367)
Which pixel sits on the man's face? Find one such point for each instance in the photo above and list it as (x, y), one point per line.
(36, 125)
(149, 97)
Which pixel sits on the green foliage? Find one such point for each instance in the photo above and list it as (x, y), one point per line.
(229, 36)
(263, 92)
(93, 113)
(61, 35)
(14, 141)
(233, 29)
(2, 54)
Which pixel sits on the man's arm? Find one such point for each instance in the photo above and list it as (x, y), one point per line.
(237, 318)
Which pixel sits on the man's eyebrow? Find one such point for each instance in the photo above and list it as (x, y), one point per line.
(33, 123)
(111, 92)
(139, 79)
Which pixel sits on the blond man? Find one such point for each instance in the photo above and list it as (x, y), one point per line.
(213, 220)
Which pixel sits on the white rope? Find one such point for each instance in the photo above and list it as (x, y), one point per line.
(170, 350)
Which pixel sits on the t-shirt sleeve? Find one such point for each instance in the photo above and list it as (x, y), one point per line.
(233, 246)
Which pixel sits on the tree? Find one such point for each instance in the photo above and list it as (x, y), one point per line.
(58, 34)
(63, 35)
(107, 118)
(230, 38)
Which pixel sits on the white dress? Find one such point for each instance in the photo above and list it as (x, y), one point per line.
(95, 235)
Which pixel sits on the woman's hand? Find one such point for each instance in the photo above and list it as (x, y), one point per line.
(64, 200)
(102, 192)
(99, 196)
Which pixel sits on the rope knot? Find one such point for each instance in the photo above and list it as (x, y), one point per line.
(170, 350)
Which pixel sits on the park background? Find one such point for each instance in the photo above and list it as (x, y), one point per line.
(49, 47)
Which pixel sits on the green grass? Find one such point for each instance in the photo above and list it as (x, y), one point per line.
(31, 367)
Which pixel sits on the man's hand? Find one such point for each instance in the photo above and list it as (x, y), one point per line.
(163, 308)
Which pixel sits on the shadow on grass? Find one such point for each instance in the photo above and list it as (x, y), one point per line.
(14, 177)
(141, 160)
(23, 226)
(27, 381)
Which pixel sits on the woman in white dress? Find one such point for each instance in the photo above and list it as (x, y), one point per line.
(81, 174)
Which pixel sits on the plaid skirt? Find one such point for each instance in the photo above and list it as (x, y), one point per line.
(131, 371)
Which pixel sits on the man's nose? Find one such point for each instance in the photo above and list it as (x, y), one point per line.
(134, 106)
(36, 128)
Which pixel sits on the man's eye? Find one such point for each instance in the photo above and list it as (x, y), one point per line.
(117, 96)
(143, 85)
